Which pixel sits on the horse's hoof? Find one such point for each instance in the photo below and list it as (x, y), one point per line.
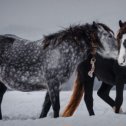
(42, 116)
(56, 115)
(120, 111)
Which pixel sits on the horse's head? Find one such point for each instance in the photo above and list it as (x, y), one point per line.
(121, 38)
(107, 40)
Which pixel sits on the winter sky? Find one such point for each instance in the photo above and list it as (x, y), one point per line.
(32, 19)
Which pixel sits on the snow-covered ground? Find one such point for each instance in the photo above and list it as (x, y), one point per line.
(23, 109)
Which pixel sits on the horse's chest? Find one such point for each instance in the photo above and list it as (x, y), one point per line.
(104, 70)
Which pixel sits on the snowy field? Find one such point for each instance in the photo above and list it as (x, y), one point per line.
(23, 109)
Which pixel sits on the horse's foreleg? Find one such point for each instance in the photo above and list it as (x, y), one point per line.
(88, 95)
(2, 91)
(46, 106)
(119, 97)
(54, 97)
(103, 93)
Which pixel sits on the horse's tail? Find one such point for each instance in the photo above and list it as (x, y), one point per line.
(75, 98)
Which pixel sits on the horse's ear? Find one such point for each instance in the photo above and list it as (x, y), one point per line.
(120, 23)
(94, 24)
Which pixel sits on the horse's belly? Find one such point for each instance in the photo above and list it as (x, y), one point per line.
(106, 78)
(23, 82)
(24, 86)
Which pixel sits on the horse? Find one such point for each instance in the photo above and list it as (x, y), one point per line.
(49, 62)
(110, 71)
(122, 44)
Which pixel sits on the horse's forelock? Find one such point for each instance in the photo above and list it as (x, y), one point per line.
(106, 28)
(120, 33)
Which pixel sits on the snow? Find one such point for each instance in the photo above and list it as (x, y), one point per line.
(23, 109)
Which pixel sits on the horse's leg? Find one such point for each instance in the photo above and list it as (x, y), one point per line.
(119, 97)
(88, 82)
(46, 106)
(103, 93)
(88, 94)
(54, 97)
(2, 91)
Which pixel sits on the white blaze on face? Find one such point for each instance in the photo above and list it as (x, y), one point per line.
(124, 37)
(122, 52)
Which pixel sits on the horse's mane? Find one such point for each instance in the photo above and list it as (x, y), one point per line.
(120, 33)
(106, 27)
(76, 33)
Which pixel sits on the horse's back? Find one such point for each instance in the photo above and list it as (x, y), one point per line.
(21, 63)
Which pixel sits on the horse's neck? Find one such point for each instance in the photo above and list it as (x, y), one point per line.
(104, 69)
(109, 71)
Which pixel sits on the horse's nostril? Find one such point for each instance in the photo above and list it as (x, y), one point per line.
(110, 36)
(121, 63)
(124, 60)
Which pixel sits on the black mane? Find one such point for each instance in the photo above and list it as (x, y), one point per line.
(106, 27)
(76, 33)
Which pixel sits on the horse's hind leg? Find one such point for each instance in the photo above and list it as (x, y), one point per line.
(88, 82)
(88, 95)
(54, 97)
(2, 91)
(46, 106)
(103, 93)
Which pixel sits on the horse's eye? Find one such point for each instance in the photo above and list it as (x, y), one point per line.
(110, 36)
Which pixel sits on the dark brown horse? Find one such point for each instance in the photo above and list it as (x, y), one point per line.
(108, 71)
